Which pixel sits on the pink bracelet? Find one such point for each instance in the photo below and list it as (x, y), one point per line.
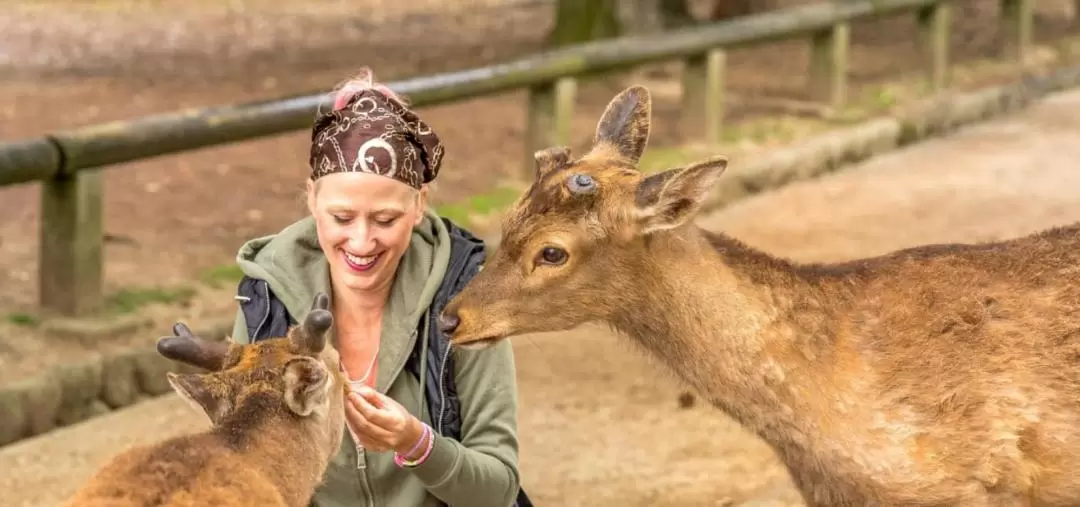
(423, 434)
(400, 460)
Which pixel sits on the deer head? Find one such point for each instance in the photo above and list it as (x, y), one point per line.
(582, 238)
(295, 375)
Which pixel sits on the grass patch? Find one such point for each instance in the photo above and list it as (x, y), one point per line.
(662, 158)
(224, 274)
(131, 300)
(23, 319)
(463, 213)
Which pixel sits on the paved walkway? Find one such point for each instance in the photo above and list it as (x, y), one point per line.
(629, 445)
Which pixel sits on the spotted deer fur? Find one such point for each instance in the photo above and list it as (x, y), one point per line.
(932, 376)
(277, 415)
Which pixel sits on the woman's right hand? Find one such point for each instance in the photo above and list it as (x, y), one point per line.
(380, 423)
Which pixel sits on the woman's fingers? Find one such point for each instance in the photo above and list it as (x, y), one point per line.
(373, 397)
(385, 419)
(365, 428)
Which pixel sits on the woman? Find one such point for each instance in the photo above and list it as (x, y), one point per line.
(428, 425)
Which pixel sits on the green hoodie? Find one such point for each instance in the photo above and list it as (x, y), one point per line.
(479, 471)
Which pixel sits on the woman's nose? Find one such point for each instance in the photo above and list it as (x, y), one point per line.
(361, 242)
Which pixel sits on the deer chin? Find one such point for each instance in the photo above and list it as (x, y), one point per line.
(476, 342)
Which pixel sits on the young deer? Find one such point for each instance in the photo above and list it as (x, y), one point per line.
(932, 376)
(278, 417)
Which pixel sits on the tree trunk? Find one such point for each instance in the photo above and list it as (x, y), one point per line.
(584, 20)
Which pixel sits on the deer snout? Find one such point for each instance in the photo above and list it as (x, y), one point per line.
(448, 321)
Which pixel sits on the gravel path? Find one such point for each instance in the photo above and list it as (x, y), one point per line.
(609, 433)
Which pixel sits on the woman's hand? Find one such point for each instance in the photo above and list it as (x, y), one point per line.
(382, 424)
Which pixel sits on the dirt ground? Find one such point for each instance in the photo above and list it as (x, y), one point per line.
(590, 428)
(607, 433)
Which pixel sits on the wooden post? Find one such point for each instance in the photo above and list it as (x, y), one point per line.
(703, 96)
(583, 20)
(934, 33)
(1016, 28)
(549, 121)
(70, 259)
(828, 65)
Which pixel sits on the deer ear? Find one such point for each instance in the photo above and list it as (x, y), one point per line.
(204, 391)
(307, 385)
(624, 126)
(671, 198)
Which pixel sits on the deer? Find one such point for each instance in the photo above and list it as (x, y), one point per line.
(277, 417)
(941, 374)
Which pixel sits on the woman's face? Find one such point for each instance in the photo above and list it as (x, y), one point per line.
(364, 222)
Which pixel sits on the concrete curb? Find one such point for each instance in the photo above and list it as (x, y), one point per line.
(71, 393)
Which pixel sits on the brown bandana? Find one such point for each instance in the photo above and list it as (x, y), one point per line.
(375, 134)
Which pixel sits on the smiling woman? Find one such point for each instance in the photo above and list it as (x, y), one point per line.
(428, 424)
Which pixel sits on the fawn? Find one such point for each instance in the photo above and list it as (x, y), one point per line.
(277, 409)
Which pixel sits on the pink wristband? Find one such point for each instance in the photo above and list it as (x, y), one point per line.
(400, 460)
(423, 435)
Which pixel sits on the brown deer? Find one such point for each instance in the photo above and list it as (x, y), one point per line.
(933, 376)
(277, 415)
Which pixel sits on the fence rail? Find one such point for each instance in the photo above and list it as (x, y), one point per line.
(71, 232)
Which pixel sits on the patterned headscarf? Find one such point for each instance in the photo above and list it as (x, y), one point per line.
(376, 134)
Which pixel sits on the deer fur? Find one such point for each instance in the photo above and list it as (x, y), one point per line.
(932, 376)
(277, 414)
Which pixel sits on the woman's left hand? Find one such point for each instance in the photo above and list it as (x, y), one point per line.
(380, 423)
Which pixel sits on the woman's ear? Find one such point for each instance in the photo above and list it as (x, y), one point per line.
(311, 196)
(421, 203)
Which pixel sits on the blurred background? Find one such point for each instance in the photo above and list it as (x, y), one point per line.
(172, 224)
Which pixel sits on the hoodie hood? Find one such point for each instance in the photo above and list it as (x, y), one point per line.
(294, 266)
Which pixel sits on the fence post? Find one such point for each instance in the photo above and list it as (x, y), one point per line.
(1016, 28)
(70, 246)
(551, 109)
(703, 96)
(934, 32)
(828, 64)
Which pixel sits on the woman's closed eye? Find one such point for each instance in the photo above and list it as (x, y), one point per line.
(383, 221)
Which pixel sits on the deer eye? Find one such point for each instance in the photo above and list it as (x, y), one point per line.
(553, 256)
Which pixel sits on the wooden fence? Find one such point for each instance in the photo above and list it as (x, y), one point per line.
(66, 162)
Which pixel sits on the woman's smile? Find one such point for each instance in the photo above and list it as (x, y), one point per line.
(360, 263)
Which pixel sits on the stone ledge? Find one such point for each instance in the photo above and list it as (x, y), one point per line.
(68, 394)
(842, 147)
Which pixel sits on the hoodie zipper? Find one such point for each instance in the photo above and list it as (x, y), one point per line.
(361, 464)
(365, 483)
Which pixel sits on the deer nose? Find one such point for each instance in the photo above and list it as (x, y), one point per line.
(448, 322)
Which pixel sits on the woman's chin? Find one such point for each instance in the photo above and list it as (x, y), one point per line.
(359, 281)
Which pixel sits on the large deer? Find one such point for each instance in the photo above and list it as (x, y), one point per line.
(933, 376)
(277, 415)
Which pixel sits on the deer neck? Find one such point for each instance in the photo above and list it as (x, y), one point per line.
(749, 331)
(292, 452)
